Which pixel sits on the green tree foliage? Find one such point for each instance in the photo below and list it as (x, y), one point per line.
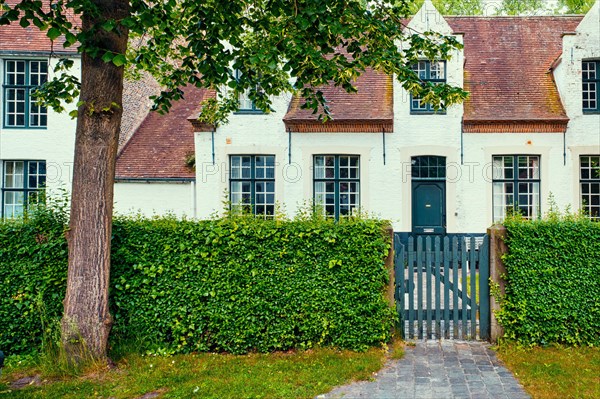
(453, 7)
(269, 42)
(277, 46)
(520, 7)
(576, 6)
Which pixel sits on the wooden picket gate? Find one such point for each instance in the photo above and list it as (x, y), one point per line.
(442, 287)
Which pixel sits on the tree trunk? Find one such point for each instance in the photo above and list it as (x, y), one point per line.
(86, 322)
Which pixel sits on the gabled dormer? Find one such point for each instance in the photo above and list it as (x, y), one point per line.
(429, 19)
(577, 70)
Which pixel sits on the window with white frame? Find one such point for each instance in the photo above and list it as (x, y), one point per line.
(252, 184)
(21, 78)
(22, 181)
(429, 71)
(516, 186)
(337, 184)
(589, 180)
(590, 74)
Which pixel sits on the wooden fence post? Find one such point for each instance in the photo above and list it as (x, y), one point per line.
(498, 247)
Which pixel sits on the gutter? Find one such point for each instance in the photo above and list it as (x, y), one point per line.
(19, 53)
(172, 180)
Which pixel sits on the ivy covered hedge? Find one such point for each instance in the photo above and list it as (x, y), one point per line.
(234, 285)
(553, 281)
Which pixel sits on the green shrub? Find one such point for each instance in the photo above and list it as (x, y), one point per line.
(33, 271)
(232, 285)
(553, 281)
(243, 284)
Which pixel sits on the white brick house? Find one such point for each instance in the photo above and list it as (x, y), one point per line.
(531, 128)
(36, 144)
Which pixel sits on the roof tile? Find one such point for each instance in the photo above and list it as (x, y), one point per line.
(373, 103)
(158, 148)
(507, 67)
(15, 38)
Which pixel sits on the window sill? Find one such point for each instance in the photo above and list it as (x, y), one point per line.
(24, 128)
(248, 112)
(427, 113)
(591, 112)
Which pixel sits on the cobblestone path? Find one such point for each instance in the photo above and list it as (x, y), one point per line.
(438, 370)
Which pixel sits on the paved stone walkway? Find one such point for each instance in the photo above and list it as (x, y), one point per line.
(438, 370)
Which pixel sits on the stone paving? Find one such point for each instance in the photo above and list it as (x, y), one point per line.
(438, 370)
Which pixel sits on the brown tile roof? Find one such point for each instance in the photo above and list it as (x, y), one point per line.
(368, 110)
(136, 104)
(14, 38)
(507, 71)
(158, 148)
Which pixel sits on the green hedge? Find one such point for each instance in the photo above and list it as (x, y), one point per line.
(33, 271)
(234, 285)
(553, 281)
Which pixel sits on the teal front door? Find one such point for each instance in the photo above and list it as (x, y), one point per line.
(428, 174)
(429, 207)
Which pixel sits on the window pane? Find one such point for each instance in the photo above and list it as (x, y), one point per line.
(428, 167)
(14, 174)
(438, 70)
(503, 200)
(14, 202)
(324, 167)
(590, 185)
(265, 167)
(529, 167)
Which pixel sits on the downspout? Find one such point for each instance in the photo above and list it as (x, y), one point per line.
(462, 148)
(194, 206)
(212, 139)
(565, 147)
(383, 137)
(289, 145)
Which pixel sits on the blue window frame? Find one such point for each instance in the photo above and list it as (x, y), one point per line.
(428, 71)
(590, 73)
(516, 186)
(252, 184)
(589, 180)
(246, 105)
(21, 78)
(21, 183)
(337, 184)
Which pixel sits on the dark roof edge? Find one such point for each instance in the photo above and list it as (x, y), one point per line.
(173, 180)
(39, 53)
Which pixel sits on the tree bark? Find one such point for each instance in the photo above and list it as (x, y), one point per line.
(87, 321)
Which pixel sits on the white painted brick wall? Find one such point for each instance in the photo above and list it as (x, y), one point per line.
(151, 199)
(386, 189)
(55, 144)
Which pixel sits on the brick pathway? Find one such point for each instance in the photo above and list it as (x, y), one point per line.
(438, 370)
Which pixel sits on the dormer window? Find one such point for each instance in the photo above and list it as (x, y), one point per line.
(590, 73)
(21, 78)
(247, 106)
(430, 71)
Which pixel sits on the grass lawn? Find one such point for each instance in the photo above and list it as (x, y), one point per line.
(555, 372)
(278, 375)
